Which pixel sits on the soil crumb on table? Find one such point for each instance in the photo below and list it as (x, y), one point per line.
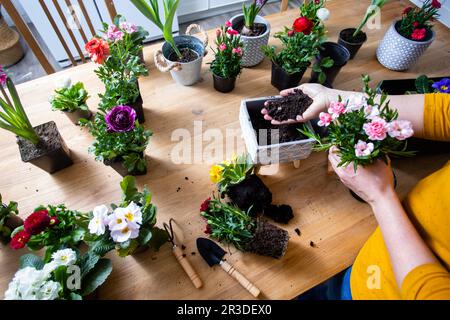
(298, 232)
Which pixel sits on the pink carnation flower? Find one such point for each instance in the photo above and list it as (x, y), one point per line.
(128, 27)
(376, 130)
(114, 34)
(237, 51)
(228, 23)
(355, 103)
(324, 119)
(223, 47)
(363, 149)
(336, 109)
(400, 129)
(371, 112)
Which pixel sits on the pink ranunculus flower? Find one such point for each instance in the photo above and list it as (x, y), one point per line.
(237, 51)
(324, 119)
(228, 23)
(371, 112)
(363, 149)
(223, 47)
(128, 27)
(356, 102)
(376, 129)
(336, 109)
(114, 34)
(400, 129)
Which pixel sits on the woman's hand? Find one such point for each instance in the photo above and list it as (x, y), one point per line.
(321, 95)
(371, 183)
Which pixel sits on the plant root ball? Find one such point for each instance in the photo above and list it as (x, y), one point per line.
(280, 214)
(269, 240)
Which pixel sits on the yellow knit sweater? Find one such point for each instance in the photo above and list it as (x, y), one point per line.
(428, 206)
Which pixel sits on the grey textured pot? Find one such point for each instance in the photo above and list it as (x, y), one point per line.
(398, 53)
(253, 54)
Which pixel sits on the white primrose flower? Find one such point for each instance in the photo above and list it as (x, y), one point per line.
(323, 14)
(126, 232)
(63, 83)
(124, 223)
(26, 284)
(64, 257)
(49, 291)
(97, 225)
(132, 213)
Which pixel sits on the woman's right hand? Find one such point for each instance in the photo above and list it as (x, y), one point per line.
(322, 96)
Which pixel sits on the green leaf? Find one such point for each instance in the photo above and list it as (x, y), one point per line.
(327, 62)
(88, 262)
(322, 78)
(30, 260)
(75, 296)
(423, 84)
(78, 235)
(144, 236)
(96, 277)
(128, 185)
(159, 238)
(125, 250)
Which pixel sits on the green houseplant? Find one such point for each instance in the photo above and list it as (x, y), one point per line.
(9, 220)
(128, 227)
(71, 99)
(41, 146)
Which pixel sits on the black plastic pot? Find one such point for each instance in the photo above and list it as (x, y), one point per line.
(50, 154)
(76, 115)
(340, 56)
(283, 80)
(224, 85)
(13, 222)
(117, 164)
(346, 40)
(354, 195)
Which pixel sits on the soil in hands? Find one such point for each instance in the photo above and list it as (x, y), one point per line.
(281, 214)
(252, 192)
(269, 240)
(257, 29)
(187, 55)
(347, 35)
(289, 107)
(50, 140)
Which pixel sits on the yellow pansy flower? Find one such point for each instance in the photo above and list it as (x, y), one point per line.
(216, 173)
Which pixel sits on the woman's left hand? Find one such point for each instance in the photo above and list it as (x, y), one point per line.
(371, 183)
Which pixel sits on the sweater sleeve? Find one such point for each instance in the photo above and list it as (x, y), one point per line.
(427, 282)
(436, 118)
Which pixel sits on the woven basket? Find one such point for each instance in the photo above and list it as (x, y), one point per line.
(11, 50)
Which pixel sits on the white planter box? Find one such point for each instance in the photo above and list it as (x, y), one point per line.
(274, 153)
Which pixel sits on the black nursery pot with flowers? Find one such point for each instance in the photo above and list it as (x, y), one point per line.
(283, 80)
(224, 85)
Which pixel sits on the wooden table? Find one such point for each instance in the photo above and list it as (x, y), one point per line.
(324, 210)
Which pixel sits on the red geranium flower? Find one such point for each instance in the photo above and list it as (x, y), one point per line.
(54, 221)
(37, 222)
(19, 240)
(205, 205)
(303, 24)
(407, 10)
(98, 50)
(415, 24)
(419, 34)
(435, 4)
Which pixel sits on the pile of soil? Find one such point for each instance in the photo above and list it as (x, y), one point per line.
(347, 35)
(187, 54)
(257, 30)
(277, 134)
(269, 240)
(289, 107)
(252, 192)
(281, 214)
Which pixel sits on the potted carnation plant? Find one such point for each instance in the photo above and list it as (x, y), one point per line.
(128, 227)
(181, 55)
(352, 38)
(291, 62)
(254, 30)
(119, 71)
(52, 228)
(41, 146)
(226, 65)
(363, 128)
(408, 38)
(120, 141)
(231, 225)
(9, 220)
(71, 100)
(54, 280)
(131, 35)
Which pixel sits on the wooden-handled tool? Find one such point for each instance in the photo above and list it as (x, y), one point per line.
(181, 257)
(213, 254)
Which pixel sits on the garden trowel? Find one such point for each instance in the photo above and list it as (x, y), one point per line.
(213, 254)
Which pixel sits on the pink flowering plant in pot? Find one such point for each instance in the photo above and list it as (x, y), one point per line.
(363, 129)
(226, 65)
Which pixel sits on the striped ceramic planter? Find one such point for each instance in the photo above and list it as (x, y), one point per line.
(398, 53)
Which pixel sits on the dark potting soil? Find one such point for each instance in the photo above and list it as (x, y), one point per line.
(50, 140)
(280, 214)
(188, 55)
(269, 240)
(347, 35)
(257, 30)
(273, 133)
(252, 192)
(289, 107)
